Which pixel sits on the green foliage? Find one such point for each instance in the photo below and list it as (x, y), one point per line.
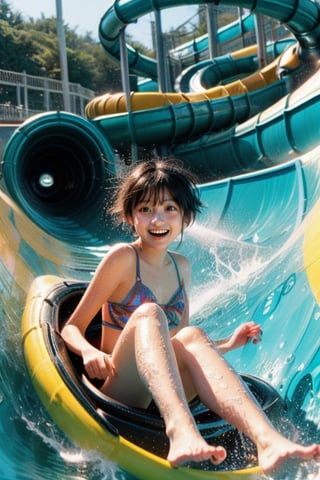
(14, 19)
(31, 46)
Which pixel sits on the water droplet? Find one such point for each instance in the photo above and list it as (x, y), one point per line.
(317, 315)
(290, 358)
(242, 298)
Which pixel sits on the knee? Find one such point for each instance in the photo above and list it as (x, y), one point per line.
(150, 314)
(149, 310)
(190, 336)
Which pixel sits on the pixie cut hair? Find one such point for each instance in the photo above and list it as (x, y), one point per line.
(149, 180)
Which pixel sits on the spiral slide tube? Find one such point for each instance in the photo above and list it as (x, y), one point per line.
(168, 126)
(283, 132)
(258, 243)
(118, 17)
(246, 56)
(176, 123)
(189, 52)
(46, 144)
(108, 104)
(301, 18)
(209, 73)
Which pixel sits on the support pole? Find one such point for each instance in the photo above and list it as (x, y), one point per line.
(126, 88)
(162, 57)
(261, 42)
(63, 57)
(212, 23)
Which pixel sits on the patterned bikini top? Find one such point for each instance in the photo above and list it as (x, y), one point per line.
(119, 313)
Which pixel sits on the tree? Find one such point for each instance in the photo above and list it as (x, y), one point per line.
(14, 19)
(31, 46)
(18, 51)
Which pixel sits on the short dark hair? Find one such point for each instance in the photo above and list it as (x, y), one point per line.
(150, 179)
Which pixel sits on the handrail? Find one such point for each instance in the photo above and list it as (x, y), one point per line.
(24, 83)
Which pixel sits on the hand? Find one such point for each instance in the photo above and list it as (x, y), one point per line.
(97, 364)
(244, 333)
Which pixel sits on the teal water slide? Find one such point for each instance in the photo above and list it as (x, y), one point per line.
(190, 52)
(252, 250)
(212, 72)
(255, 250)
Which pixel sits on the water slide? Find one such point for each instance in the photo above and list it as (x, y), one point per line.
(255, 249)
(108, 104)
(191, 52)
(255, 254)
(220, 70)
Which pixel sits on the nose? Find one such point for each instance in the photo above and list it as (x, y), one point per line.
(158, 217)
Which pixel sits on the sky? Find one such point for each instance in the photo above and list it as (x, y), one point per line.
(84, 16)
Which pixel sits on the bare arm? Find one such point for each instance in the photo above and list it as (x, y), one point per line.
(241, 336)
(106, 280)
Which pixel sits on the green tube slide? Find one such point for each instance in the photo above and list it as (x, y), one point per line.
(57, 166)
(280, 133)
(177, 123)
(255, 255)
(188, 53)
(208, 73)
(254, 249)
(301, 18)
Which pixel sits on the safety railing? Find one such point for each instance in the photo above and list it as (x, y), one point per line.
(22, 95)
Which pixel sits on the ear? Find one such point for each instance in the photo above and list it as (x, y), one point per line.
(129, 220)
(186, 222)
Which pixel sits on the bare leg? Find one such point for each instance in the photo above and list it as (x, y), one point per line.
(145, 364)
(210, 376)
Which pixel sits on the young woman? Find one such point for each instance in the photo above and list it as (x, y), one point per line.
(148, 349)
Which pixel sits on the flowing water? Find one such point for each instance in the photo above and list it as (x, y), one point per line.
(237, 277)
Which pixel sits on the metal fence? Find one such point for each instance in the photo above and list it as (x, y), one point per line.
(23, 95)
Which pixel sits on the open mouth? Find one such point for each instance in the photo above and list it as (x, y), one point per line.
(159, 233)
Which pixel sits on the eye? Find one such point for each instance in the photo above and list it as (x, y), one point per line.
(172, 207)
(144, 209)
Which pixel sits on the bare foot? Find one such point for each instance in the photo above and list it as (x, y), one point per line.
(195, 451)
(276, 453)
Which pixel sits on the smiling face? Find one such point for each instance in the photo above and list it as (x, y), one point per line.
(150, 184)
(157, 221)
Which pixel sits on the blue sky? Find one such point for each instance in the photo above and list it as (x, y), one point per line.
(85, 15)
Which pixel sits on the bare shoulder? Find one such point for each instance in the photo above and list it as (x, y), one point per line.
(120, 250)
(182, 260)
(120, 257)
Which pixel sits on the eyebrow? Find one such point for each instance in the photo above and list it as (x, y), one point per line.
(162, 201)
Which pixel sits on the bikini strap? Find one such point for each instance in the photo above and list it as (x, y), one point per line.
(138, 277)
(176, 266)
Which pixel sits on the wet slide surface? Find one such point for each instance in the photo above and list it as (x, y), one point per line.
(251, 250)
(255, 252)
